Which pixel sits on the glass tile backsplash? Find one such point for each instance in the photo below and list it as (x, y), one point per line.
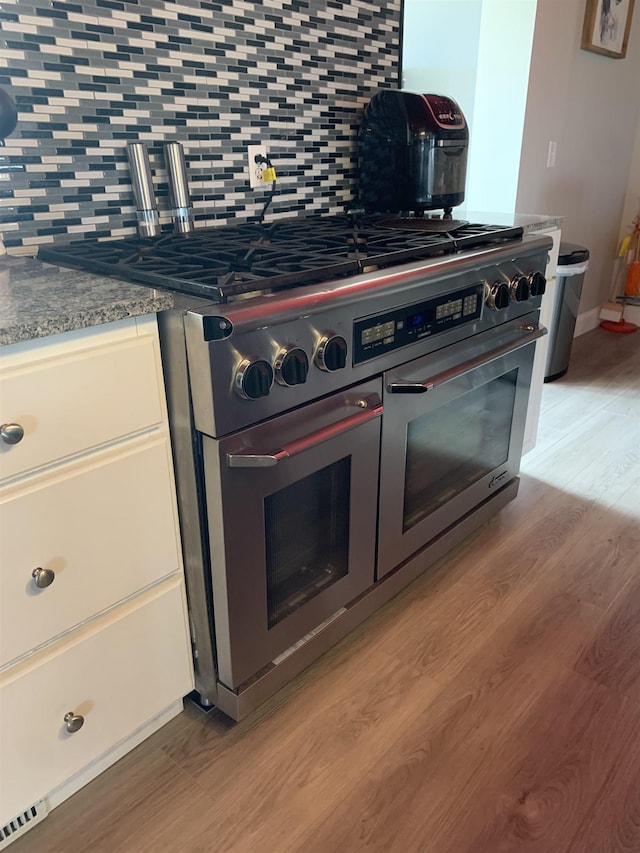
(88, 76)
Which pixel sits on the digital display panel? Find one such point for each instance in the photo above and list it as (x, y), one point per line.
(416, 320)
(406, 325)
(449, 309)
(378, 332)
(470, 304)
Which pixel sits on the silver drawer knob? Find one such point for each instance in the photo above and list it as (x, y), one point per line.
(43, 577)
(73, 722)
(11, 433)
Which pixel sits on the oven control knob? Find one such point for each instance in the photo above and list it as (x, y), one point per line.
(253, 379)
(537, 283)
(331, 354)
(519, 288)
(292, 367)
(496, 295)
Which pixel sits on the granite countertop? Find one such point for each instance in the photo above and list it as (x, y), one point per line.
(531, 222)
(528, 221)
(37, 299)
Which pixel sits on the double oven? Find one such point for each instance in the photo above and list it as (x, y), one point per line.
(347, 399)
(333, 441)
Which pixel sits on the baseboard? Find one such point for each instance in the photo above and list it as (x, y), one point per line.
(632, 314)
(586, 321)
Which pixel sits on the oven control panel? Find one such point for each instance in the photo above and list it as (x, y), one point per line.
(392, 330)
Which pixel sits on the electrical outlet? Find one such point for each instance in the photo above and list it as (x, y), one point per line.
(255, 169)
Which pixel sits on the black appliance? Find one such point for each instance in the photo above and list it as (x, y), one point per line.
(412, 153)
(235, 262)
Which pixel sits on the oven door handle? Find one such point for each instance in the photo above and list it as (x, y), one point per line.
(267, 460)
(529, 333)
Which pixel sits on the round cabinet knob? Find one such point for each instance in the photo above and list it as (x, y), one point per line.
(292, 367)
(537, 283)
(496, 295)
(11, 433)
(73, 722)
(519, 288)
(254, 379)
(331, 354)
(43, 577)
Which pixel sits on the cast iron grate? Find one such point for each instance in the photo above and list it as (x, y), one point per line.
(236, 261)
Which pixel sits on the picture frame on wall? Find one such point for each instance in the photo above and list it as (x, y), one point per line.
(606, 27)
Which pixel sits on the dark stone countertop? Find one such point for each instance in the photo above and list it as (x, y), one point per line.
(37, 299)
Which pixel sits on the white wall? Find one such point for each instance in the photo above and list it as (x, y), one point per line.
(632, 200)
(506, 36)
(478, 52)
(533, 84)
(590, 105)
(433, 61)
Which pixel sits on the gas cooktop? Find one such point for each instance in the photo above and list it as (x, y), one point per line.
(233, 262)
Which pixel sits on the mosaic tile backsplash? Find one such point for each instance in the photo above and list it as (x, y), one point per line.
(91, 75)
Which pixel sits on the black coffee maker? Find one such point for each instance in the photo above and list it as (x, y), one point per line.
(412, 153)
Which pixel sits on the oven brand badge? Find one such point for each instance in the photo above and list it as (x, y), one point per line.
(495, 481)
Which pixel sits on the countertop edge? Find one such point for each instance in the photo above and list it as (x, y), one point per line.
(39, 300)
(529, 222)
(43, 328)
(544, 223)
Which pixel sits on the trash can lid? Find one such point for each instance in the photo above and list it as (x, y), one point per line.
(572, 253)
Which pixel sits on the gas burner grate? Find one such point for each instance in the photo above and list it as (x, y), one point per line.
(232, 262)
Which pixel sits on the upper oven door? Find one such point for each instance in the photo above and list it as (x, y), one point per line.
(452, 434)
(292, 507)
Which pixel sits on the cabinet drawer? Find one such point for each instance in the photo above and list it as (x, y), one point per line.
(68, 404)
(105, 529)
(95, 675)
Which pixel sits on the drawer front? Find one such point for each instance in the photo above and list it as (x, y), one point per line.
(68, 404)
(104, 530)
(117, 675)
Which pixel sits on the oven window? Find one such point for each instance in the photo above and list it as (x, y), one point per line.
(307, 538)
(455, 445)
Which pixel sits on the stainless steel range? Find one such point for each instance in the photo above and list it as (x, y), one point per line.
(347, 399)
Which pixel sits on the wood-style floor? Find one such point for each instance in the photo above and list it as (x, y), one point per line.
(493, 706)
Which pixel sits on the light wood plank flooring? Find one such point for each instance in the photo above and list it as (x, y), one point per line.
(493, 706)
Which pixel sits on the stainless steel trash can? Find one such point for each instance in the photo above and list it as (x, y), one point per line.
(573, 261)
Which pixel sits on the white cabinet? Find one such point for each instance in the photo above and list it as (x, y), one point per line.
(93, 527)
(73, 403)
(108, 675)
(539, 362)
(92, 606)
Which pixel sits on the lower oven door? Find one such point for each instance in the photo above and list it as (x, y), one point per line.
(452, 434)
(292, 509)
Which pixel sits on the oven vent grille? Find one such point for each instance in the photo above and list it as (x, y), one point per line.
(22, 822)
